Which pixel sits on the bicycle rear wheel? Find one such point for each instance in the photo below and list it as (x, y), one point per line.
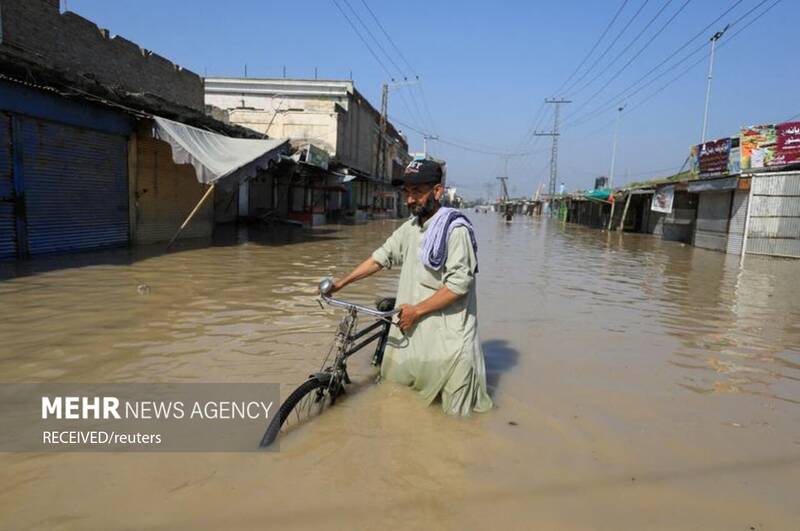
(307, 401)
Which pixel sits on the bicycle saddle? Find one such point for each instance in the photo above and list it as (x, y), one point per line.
(386, 304)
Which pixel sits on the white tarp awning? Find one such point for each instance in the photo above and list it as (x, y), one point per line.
(215, 156)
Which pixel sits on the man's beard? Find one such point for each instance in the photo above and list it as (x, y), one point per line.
(425, 210)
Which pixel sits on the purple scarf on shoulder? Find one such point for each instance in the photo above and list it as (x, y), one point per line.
(433, 252)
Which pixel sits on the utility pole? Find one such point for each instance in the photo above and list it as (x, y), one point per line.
(554, 150)
(380, 160)
(503, 181)
(425, 139)
(380, 156)
(614, 149)
(504, 178)
(714, 39)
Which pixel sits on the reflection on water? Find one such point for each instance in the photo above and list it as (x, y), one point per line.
(608, 356)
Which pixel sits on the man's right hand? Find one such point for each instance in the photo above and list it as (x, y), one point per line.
(337, 285)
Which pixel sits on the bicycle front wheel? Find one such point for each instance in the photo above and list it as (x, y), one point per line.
(307, 401)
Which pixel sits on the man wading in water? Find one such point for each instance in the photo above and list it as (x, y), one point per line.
(439, 352)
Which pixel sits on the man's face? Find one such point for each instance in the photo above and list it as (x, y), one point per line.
(422, 198)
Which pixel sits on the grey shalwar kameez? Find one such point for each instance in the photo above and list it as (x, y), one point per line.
(441, 355)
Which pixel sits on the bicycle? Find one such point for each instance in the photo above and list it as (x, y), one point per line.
(323, 387)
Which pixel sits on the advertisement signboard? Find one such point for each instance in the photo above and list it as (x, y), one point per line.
(757, 146)
(662, 199)
(713, 157)
(787, 144)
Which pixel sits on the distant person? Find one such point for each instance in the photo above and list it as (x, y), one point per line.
(438, 352)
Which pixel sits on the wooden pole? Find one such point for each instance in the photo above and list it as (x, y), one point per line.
(611, 217)
(624, 213)
(191, 214)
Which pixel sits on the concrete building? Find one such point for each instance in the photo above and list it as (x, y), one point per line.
(80, 167)
(333, 116)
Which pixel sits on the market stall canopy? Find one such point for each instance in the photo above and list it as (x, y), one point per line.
(601, 194)
(352, 174)
(215, 156)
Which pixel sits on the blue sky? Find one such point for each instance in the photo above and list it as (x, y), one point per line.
(486, 67)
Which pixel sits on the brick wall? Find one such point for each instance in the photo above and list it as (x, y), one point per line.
(37, 30)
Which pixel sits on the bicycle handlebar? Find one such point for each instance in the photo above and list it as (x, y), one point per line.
(325, 287)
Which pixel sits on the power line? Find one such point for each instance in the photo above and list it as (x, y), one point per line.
(363, 40)
(535, 123)
(525, 161)
(608, 48)
(625, 94)
(693, 65)
(370, 49)
(427, 108)
(425, 118)
(704, 57)
(389, 38)
(414, 118)
(611, 103)
(701, 60)
(628, 46)
(687, 70)
(416, 115)
(636, 55)
(369, 32)
(485, 150)
(595, 45)
(678, 50)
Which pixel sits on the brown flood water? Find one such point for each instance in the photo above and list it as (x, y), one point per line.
(651, 385)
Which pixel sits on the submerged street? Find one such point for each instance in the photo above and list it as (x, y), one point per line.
(631, 376)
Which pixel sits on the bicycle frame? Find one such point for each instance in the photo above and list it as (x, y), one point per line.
(384, 322)
(384, 328)
(347, 345)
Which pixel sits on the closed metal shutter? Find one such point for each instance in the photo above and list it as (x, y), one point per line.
(775, 215)
(713, 212)
(8, 229)
(76, 187)
(738, 217)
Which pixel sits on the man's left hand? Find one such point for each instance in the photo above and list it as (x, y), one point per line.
(409, 315)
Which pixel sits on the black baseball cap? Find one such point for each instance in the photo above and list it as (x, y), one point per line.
(420, 172)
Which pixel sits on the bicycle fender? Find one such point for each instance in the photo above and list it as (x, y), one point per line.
(322, 377)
